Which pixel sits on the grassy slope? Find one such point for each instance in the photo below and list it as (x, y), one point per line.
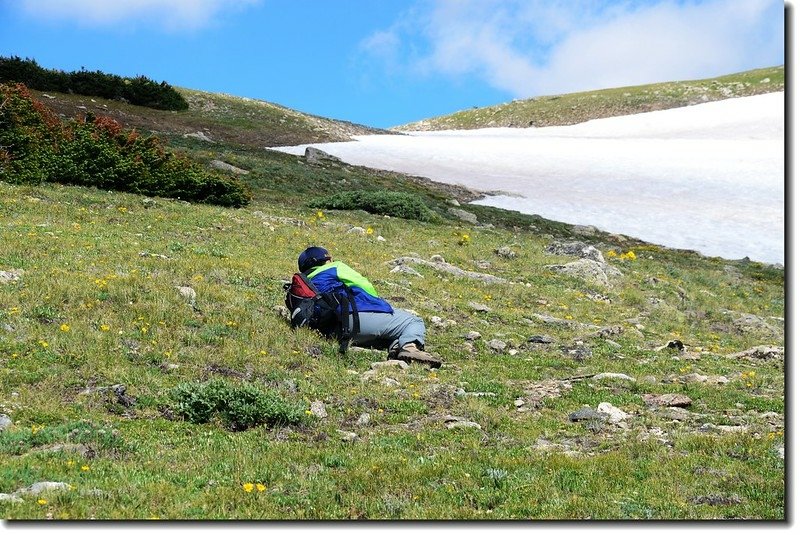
(82, 255)
(579, 107)
(81, 252)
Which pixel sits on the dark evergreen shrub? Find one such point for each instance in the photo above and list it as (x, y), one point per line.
(392, 203)
(140, 90)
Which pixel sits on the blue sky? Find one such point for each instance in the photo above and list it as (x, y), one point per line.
(389, 62)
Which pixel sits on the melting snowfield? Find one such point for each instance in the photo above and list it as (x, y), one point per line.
(708, 177)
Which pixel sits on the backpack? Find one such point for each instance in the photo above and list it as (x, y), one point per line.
(326, 312)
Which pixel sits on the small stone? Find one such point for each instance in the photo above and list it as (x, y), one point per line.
(282, 311)
(497, 345)
(463, 215)
(585, 413)
(225, 166)
(608, 375)
(10, 276)
(380, 238)
(388, 381)
(615, 415)
(364, 419)
(667, 400)
(505, 252)
(318, 409)
(472, 336)
(390, 363)
(188, 293)
(463, 424)
(42, 486)
(357, 230)
(5, 422)
(479, 307)
(438, 259)
(402, 268)
(541, 339)
(13, 498)
(519, 402)
(347, 436)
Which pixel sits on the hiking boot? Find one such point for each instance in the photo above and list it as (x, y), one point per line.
(411, 353)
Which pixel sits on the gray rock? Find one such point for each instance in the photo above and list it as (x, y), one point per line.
(188, 293)
(43, 486)
(478, 307)
(318, 409)
(282, 311)
(752, 324)
(541, 339)
(5, 422)
(455, 422)
(609, 375)
(12, 275)
(615, 415)
(585, 413)
(347, 436)
(390, 363)
(438, 263)
(199, 135)
(463, 425)
(472, 336)
(584, 230)
(667, 400)
(588, 270)
(357, 230)
(407, 270)
(314, 155)
(577, 248)
(388, 381)
(463, 215)
(759, 353)
(223, 166)
(505, 252)
(364, 419)
(496, 345)
(13, 498)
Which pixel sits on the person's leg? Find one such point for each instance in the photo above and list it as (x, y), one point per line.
(383, 330)
(402, 333)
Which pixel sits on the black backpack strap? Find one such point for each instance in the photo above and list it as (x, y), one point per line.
(347, 308)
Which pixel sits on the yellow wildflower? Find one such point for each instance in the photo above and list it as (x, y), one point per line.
(85, 468)
(41, 501)
(248, 487)
(43, 344)
(260, 487)
(104, 327)
(64, 328)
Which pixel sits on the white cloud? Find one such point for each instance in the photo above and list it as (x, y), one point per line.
(535, 47)
(169, 15)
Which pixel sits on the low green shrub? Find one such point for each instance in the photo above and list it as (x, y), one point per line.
(391, 203)
(36, 147)
(140, 90)
(238, 406)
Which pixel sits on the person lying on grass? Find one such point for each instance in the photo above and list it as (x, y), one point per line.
(379, 324)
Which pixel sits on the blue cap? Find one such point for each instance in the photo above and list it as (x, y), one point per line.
(312, 257)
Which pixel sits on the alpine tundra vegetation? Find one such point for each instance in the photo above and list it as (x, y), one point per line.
(147, 370)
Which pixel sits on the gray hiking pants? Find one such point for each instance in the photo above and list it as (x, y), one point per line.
(380, 330)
